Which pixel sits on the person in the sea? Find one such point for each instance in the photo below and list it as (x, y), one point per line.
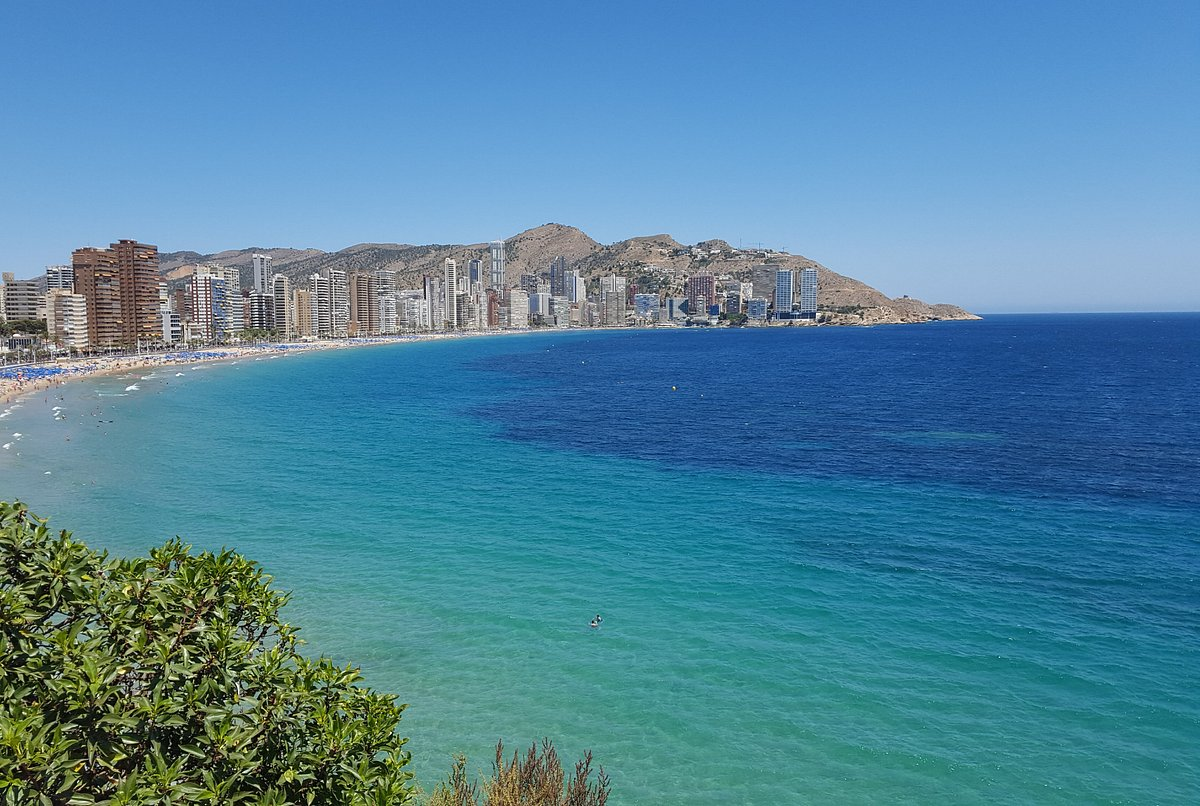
(595, 622)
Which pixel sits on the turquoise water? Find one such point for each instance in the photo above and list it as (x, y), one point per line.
(834, 566)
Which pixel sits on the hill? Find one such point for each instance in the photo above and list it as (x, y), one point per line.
(654, 262)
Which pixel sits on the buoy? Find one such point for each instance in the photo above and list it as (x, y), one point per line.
(672, 388)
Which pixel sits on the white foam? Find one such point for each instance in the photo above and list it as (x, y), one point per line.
(133, 387)
(7, 446)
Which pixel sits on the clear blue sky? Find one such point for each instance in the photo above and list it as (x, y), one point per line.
(1016, 156)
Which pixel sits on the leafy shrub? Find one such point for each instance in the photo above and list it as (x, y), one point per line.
(171, 679)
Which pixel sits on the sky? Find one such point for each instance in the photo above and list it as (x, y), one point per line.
(1021, 156)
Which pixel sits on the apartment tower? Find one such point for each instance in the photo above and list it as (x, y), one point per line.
(120, 286)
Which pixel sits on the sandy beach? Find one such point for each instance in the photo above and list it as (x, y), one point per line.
(20, 380)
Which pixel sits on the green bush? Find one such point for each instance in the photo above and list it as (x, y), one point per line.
(171, 679)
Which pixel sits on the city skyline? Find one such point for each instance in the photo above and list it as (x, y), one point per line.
(995, 158)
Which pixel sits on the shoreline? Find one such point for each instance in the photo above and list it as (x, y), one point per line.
(17, 383)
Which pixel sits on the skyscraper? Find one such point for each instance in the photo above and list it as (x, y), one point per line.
(283, 315)
(261, 269)
(120, 285)
(475, 271)
(364, 304)
(808, 294)
(212, 296)
(497, 265)
(784, 293)
(321, 305)
(558, 276)
(701, 291)
(451, 291)
(518, 308)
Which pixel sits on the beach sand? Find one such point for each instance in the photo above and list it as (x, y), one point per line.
(20, 381)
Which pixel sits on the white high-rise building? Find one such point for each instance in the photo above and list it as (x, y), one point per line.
(321, 301)
(808, 294)
(388, 314)
(339, 300)
(212, 296)
(518, 308)
(66, 319)
(450, 290)
(497, 265)
(261, 270)
(785, 291)
(60, 278)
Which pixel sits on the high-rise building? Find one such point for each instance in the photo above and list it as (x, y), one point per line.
(66, 319)
(258, 310)
(475, 272)
(364, 304)
(576, 287)
(339, 302)
(497, 265)
(450, 302)
(612, 304)
(120, 285)
(756, 308)
(808, 294)
(387, 312)
(321, 305)
(784, 293)
(260, 267)
(283, 315)
(612, 283)
(211, 298)
(302, 307)
(645, 306)
(558, 276)
(60, 278)
(518, 308)
(20, 299)
(701, 292)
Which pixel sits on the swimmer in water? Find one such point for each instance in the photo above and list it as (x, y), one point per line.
(594, 623)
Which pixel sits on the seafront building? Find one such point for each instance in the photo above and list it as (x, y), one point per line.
(260, 273)
(20, 299)
(120, 285)
(808, 294)
(785, 286)
(283, 314)
(66, 319)
(216, 303)
(518, 308)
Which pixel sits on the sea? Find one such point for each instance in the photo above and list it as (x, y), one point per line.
(956, 562)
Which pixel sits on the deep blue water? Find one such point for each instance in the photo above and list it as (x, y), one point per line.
(955, 562)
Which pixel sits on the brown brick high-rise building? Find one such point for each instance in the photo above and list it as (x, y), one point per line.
(120, 285)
